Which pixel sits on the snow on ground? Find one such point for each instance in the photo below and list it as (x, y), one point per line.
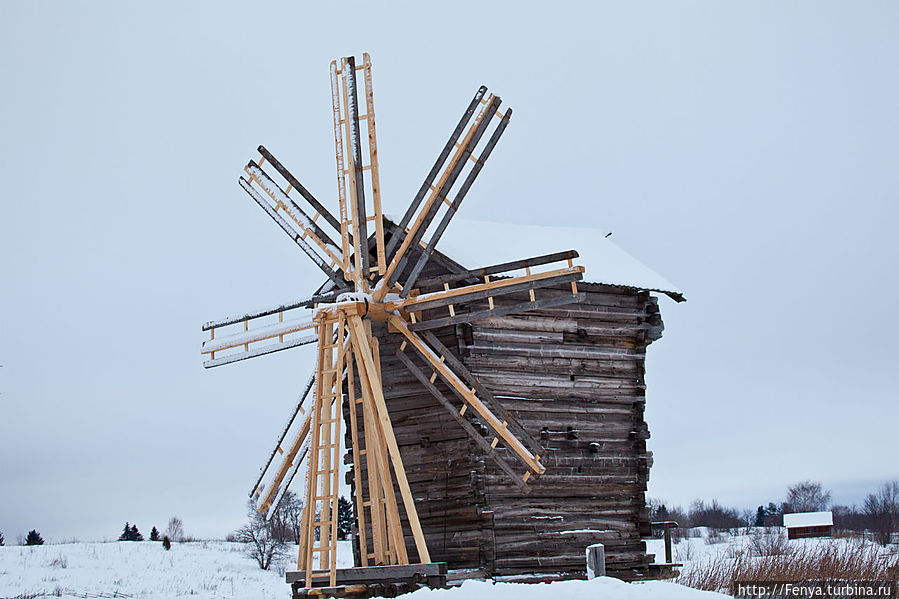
(205, 569)
(217, 569)
(605, 587)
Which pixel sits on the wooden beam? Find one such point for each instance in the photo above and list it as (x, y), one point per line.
(358, 182)
(399, 233)
(302, 303)
(260, 351)
(409, 283)
(291, 232)
(283, 434)
(373, 574)
(363, 351)
(495, 405)
(295, 183)
(436, 323)
(380, 250)
(434, 201)
(470, 397)
(492, 289)
(487, 447)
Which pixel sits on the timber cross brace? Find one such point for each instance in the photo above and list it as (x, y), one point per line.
(375, 279)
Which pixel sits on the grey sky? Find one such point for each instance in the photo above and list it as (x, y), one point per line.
(745, 151)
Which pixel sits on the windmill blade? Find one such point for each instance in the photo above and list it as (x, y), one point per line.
(289, 465)
(361, 339)
(490, 289)
(292, 233)
(488, 448)
(438, 195)
(293, 331)
(302, 220)
(256, 490)
(470, 398)
(504, 267)
(295, 183)
(496, 406)
(400, 234)
(409, 283)
(357, 185)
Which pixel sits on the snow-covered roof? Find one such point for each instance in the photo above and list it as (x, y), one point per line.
(803, 519)
(478, 243)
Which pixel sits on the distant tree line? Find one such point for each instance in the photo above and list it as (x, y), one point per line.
(879, 513)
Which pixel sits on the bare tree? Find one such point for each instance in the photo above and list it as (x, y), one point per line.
(291, 509)
(807, 496)
(175, 530)
(263, 545)
(883, 510)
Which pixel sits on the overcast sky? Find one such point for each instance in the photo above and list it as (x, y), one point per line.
(745, 151)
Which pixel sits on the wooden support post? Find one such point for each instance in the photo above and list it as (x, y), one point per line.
(361, 347)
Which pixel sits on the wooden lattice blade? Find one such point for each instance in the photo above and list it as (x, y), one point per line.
(471, 400)
(409, 282)
(429, 179)
(298, 409)
(296, 237)
(295, 183)
(439, 193)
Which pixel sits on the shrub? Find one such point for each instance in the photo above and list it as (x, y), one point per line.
(166, 543)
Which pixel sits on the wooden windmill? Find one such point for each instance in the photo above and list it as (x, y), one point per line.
(377, 277)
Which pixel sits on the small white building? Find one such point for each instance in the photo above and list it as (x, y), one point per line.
(809, 524)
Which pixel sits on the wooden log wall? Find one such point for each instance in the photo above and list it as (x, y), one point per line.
(573, 377)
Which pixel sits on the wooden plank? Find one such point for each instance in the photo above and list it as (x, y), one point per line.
(473, 433)
(434, 201)
(292, 233)
(302, 303)
(434, 323)
(409, 283)
(260, 351)
(469, 293)
(372, 574)
(479, 273)
(362, 350)
(400, 234)
(358, 182)
(380, 250)
(495, 405)
(469, 397)
(295, 183)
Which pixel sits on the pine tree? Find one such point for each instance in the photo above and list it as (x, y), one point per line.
(154, 534)
(34, 538)
(344, 518)
(126, 533)
(1, 539)
(166, 544)
(135, 534)
(760, 516)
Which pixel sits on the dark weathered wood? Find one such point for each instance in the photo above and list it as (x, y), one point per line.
(451, 210)
(399, 232)
(333, 275)
(260, 351)
(302, 303)
(372, 574)
(463, 422)
(361, 220)
(283, 434)
(486, 396)
(295, 183)
(479, 273)
(465, 298)
(442, 192)
(435, 323)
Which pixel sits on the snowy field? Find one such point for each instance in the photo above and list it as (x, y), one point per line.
(209, 569)
(216, 569)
